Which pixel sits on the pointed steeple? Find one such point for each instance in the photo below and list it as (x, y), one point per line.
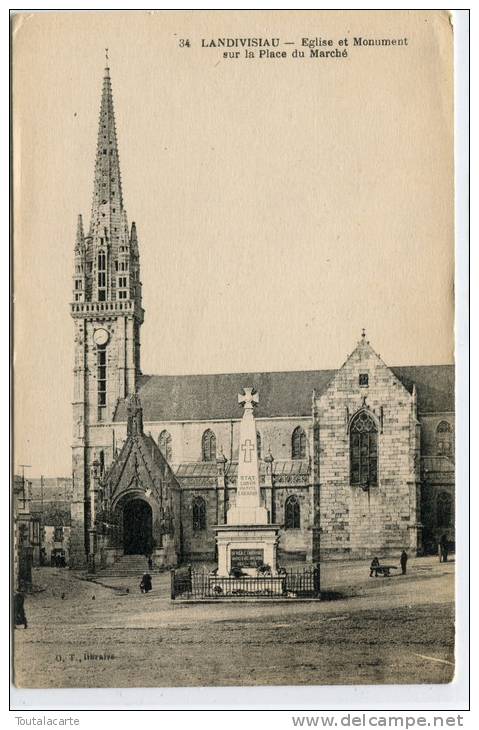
(107, 205)
(134, 240)
(112, 257)
(79, 241)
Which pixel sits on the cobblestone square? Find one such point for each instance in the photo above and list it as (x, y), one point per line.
(366, 630)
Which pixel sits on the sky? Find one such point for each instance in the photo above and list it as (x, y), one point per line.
(281, 205)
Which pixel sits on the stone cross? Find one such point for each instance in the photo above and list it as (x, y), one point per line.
(249, 399)
(247, 447)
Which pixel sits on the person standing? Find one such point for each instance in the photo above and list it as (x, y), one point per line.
(373, 567)
(146, 585)
(403, 560)
(444, 548)
(19, 615)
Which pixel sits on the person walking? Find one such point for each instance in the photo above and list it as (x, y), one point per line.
(403, 560)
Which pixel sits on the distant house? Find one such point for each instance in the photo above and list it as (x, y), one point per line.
(22, 530)
(51, 520)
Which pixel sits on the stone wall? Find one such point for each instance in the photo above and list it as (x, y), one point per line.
(198, 545)
(429, 424)
(381, 520)
(337, 518)
(186, 437)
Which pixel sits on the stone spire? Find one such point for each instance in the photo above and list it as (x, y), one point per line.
(112, 260)
(134, 240)
(107, 206)
(80, 237)
(135, 415)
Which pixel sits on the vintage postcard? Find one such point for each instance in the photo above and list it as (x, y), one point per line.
(234, 348)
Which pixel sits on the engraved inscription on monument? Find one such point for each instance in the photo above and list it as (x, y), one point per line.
(246, 558)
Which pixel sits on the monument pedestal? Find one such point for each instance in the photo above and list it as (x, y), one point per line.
(246, 547)
(247, 541)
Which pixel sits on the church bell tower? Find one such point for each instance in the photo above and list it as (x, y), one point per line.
(107, 314)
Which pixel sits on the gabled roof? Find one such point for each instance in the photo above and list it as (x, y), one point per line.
(214, 397)
(151, 464)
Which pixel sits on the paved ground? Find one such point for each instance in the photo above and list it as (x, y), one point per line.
(371, 630)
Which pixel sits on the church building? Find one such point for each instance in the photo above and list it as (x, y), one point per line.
(354, 462)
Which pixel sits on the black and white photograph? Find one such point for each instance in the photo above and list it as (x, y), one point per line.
(234, 457)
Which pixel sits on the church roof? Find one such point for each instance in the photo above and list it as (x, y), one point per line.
(434, 386)
(213, 397)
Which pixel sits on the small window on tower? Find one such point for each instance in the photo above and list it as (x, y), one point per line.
(363, 380)
(101, 380)
(104, 152)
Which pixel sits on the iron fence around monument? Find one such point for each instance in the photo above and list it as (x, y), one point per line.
(188, 583)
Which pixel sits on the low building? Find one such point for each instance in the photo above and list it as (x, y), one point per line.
(50, 511)
(22, 532)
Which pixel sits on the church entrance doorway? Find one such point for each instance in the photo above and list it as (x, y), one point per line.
(137, 528)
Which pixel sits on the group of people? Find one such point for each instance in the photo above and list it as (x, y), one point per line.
(376, 565)
(443, 550)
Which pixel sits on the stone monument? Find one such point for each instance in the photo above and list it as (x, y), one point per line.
(248, 540)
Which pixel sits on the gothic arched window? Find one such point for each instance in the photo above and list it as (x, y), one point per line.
(199, 514)
(258, 444)
(298, 444)
(208, 446)
(444, 439)
(164, 443)
(363, 435)
(292, 513)
(444, 509)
